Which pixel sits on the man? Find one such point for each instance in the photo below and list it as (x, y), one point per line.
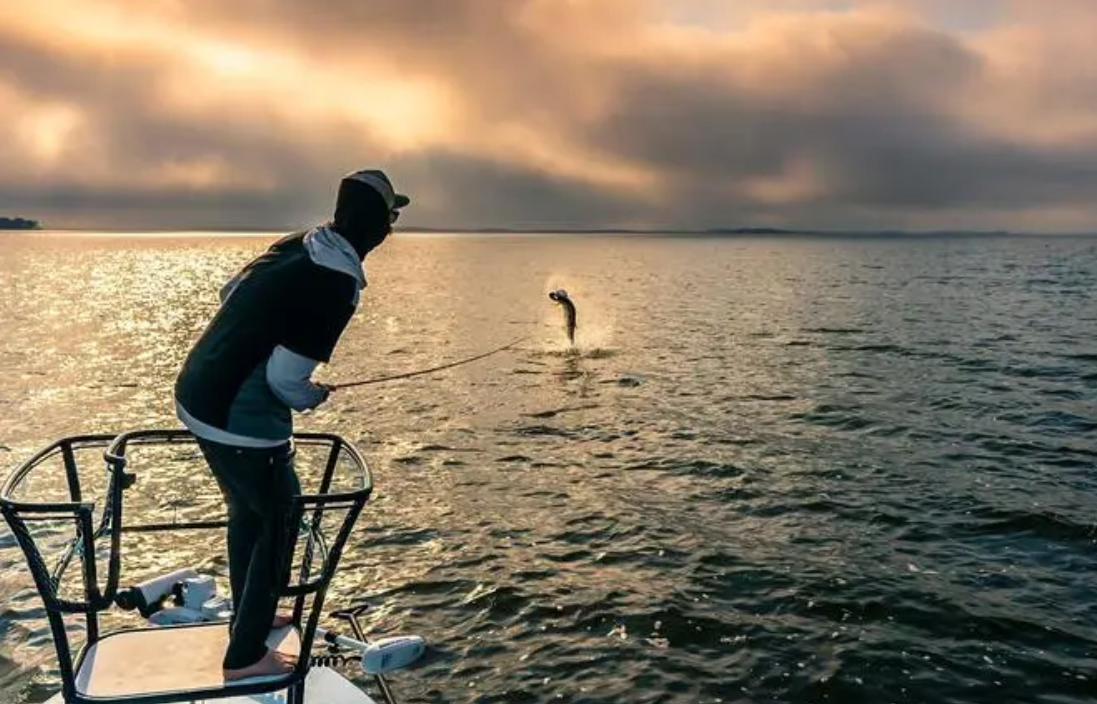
(280, 317)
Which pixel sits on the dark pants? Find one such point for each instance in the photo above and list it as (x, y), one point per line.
(258, 486)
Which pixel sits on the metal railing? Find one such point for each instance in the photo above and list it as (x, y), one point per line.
(308, 588)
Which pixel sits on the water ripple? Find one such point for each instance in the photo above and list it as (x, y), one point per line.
(813, 471)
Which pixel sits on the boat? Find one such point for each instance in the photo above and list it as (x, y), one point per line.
(175, 654)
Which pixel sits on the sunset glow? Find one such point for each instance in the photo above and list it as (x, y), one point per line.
(797, 113)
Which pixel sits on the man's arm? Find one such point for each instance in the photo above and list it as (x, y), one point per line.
(289, 376)
(316, 319)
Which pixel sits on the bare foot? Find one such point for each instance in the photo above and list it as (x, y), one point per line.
(281, 620)
(273, 663)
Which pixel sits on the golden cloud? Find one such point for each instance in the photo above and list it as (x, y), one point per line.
(800, 112)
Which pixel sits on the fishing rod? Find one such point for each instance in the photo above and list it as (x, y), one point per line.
(419, 372)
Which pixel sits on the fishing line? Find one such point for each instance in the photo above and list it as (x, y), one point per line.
(419, 372)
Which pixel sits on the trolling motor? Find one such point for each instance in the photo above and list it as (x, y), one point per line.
(193, 597)
(185, 596)
(148, 596)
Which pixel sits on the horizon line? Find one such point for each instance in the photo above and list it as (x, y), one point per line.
(558, 230)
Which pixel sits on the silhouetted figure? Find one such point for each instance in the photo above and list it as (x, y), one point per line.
(280, 317)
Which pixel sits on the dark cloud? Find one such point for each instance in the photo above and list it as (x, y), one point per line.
(131, 142)
(130, 207)
(480, 193)
(822, 121)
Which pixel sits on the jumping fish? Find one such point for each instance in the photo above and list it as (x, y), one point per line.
(561, 297)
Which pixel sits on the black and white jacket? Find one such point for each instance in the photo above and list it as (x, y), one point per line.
(280, 317)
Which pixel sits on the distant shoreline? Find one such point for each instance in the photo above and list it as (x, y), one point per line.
(721, 231)
(19, 224)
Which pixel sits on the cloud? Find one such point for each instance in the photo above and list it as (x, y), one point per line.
(544, 112)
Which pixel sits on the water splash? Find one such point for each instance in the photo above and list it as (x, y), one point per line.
(594, 330)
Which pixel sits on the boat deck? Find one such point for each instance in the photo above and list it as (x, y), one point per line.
(168, 660)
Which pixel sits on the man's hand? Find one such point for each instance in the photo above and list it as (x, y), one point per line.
(323, 392)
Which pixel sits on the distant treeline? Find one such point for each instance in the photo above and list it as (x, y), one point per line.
(19, 224)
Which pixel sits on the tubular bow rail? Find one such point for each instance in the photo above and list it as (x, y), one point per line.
(78, 673)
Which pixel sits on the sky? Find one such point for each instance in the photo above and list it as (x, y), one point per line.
(823, 114)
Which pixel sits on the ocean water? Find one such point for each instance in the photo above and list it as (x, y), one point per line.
(773, 469)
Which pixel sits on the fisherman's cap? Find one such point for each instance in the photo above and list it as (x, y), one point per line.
(380, 183)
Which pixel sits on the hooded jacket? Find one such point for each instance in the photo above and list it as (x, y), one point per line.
(280, 317)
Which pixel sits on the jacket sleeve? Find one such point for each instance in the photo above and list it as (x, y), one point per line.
(317, 316)
(289, 377)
